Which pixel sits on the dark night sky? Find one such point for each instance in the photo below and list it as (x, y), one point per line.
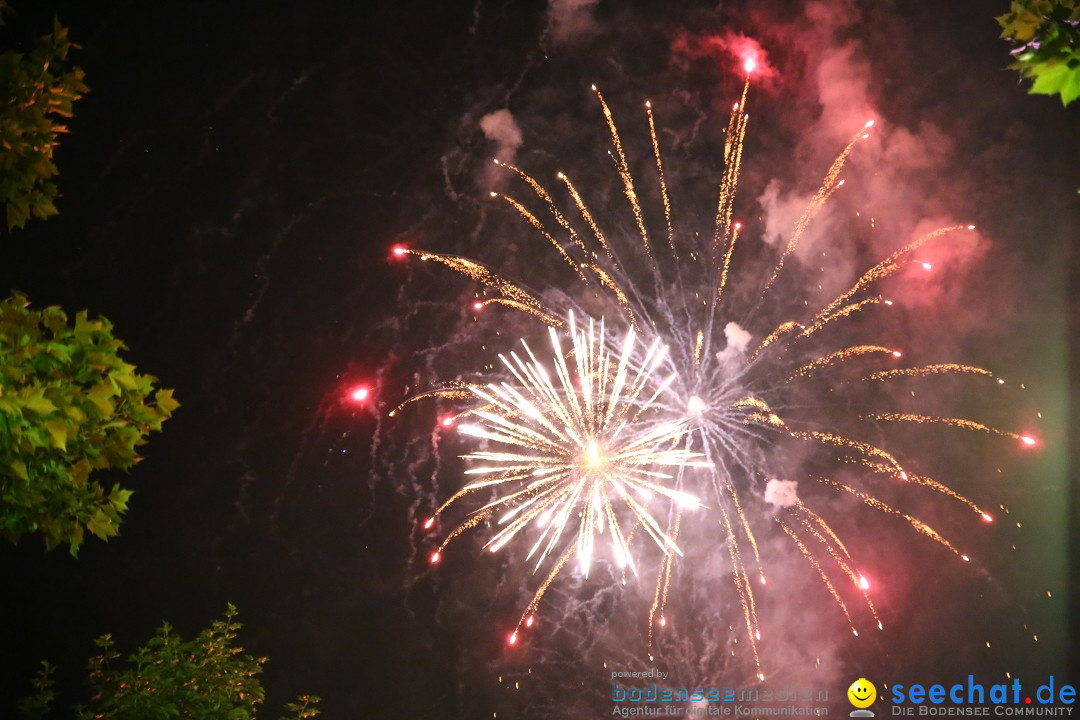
(232, 185)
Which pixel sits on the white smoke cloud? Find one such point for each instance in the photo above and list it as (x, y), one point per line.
(501, 128)
(781, 493)
(570, 20)
(782, 211)
(737, 338)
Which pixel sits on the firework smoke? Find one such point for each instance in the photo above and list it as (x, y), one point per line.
(746, 402)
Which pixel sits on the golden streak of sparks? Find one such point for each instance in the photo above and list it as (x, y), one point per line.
(836, 357)
(828, 186)
(927, 370)
(962, 423)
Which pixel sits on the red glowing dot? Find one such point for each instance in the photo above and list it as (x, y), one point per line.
(749, 65)
(663, 621)
(738, 226)
(927, 266)
(511, 639)
(1027, 700)
(734, 107)
(529, 621)
(897, 354)
(1027, 440)
(428, 523)
(360, 394)
(478, 305)
(864, 583)
(435, 557)
(447, 422)
(399, 250)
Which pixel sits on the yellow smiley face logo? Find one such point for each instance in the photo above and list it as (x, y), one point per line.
(862, 693)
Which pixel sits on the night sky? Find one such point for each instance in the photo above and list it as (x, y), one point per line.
(231, 189)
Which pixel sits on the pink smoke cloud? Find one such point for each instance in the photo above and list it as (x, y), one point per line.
(731, 51)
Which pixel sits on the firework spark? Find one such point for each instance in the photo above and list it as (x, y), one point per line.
(736, 393)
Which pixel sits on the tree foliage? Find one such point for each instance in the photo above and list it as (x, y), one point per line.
(1046, 39)
(207, 678)
(38, 90)
(37, 706)
(69, 407)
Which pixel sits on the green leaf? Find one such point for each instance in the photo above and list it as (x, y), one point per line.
(57, 433)
(165, 402)
(1049, 80)
(119, 498)
(101, 396)
(19, 468)
(39, 404)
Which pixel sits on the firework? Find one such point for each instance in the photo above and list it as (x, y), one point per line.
(578, 455)
(737, 391)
